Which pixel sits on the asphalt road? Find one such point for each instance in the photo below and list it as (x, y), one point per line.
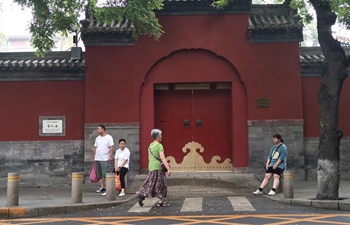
(199, 210)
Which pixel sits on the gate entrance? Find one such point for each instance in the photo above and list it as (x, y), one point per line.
(196, 124)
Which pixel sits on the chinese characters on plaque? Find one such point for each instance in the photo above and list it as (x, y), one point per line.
(52, 126)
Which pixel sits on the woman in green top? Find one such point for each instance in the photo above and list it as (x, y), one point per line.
(155, 184)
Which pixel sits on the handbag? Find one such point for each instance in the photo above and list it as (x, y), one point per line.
(118, 185)
(93, 174)
(161, 163)
(163, 167)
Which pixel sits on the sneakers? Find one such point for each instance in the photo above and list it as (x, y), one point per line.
(271, 193)
(257, 192)
(120, 195)
(101, 190)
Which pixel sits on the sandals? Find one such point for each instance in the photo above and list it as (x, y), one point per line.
(141, 198)
(163, 204)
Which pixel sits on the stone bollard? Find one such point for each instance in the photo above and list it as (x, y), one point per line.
(110, 186)
(77, 187)
(12, 189)
(288, 189)
(280, 187)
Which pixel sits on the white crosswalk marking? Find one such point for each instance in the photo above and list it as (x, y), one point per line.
(148, 204)
(192, 205)
(241, 204)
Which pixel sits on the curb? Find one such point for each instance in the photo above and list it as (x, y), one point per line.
(324, 204)
(21, 212)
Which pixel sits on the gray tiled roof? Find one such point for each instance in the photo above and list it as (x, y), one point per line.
(312, 58)
(27, 61)
(42, 64)
(261, 17)
(314, 55)
(312, 61)
(269, 17)
(263, 22)
(125, 26)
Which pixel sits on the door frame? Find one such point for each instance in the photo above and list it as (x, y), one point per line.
(183, 67)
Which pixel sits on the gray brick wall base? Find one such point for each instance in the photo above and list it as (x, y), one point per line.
(311, 155)
(239, 170)
(41, 163)
(129, 131)
(260, 142)
(50, 163)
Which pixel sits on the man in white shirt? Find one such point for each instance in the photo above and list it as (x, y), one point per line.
(102, 155)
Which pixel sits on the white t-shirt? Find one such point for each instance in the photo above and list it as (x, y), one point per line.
(121, 155)
(103, 143)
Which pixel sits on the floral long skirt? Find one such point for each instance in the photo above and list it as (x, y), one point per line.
(155, 185)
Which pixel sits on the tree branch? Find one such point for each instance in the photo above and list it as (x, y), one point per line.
(331, 48)
(287, 2)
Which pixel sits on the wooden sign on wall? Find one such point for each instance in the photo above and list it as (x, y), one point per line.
(262, 102)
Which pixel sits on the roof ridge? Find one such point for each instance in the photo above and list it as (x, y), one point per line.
(114, 26)
(42, 63)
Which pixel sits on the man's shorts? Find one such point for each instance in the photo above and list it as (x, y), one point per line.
(101, 169)
(277, 171)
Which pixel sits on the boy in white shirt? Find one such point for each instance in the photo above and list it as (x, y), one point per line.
(121, 163)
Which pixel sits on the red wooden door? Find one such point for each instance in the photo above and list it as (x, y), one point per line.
(171, 109)
(195, 120)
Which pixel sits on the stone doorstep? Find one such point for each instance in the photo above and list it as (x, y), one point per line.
(287, 201)
(17, 212)
(30, 212)
(326, 204)
(52, 210)
(4, 212)
(81, 207)
(21, 212)
(301, 202)
(344, 205)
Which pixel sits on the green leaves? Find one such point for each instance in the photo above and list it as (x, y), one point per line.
(341, 7)
(303, 8)
(3, 40)
(49, 18)
(221, 4)
(141, 12)
(59, 16)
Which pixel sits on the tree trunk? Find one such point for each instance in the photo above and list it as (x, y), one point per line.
(333, 76)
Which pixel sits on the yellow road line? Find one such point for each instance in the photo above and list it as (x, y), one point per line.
(189, 220)
(297, 220)
(217, 220)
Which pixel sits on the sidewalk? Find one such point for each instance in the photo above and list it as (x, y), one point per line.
(305, 193)
(56, 200)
